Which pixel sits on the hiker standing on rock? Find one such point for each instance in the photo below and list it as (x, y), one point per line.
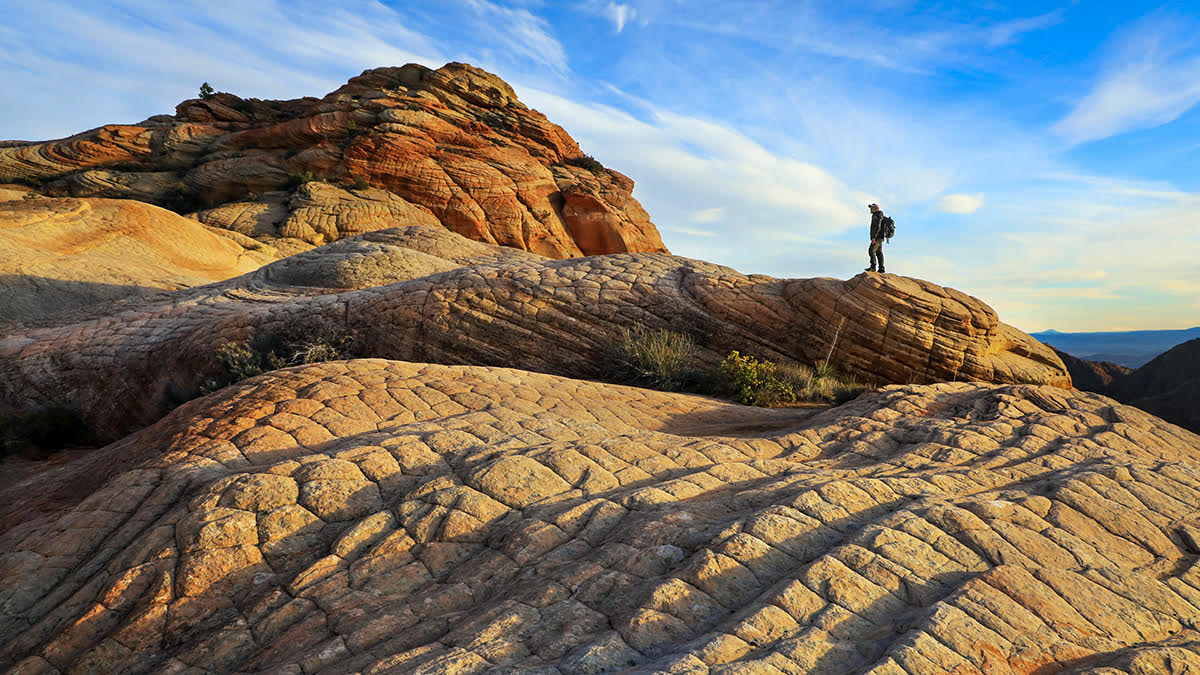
(882, 228)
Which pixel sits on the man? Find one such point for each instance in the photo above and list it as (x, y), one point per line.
(875, 250)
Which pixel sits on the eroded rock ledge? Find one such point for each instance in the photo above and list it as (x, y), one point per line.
(425, 294)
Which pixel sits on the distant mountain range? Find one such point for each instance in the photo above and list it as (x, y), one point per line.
(1132, 348)
(1168, 386)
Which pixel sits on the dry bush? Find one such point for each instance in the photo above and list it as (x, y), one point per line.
(660, 359)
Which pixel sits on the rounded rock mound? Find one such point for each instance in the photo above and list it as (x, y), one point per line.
(67, 259)
(378, 516)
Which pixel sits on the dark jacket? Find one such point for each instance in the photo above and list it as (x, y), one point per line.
(877, 225)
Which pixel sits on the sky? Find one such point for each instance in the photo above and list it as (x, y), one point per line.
(1042, 156)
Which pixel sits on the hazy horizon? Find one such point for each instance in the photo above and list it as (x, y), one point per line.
(1043, 161)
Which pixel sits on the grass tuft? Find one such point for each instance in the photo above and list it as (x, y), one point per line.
(660, 359)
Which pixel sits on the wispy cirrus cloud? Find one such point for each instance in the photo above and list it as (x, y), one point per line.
(621, 14)
(698, 171)
(129, 59)
(1007, 32)
(1151, 76)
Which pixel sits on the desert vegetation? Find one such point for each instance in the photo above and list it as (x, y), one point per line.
(37, 433)
(585, 162)
(268, 351)
(669, 361)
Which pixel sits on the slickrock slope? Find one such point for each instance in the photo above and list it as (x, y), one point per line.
(451, 146)
(63, 257)
(374, 516)
(450, 300)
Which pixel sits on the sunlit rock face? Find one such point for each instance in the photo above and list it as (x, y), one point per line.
(426, 294)
(392, 147)
(382, 516)
(61, 259)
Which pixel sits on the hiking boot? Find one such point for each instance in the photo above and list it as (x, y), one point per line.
(869, 269)
(882, 271)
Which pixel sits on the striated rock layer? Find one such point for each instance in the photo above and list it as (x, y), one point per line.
(67, 257)
(424, 294)
(451, 146)
(374, 516)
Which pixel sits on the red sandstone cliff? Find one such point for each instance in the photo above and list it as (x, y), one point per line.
(393, 146)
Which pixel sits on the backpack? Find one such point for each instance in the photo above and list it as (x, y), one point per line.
(889, 227)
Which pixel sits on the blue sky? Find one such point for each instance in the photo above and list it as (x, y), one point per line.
(1042, 156)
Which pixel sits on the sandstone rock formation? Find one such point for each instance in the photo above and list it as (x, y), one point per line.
(376, 516)
(67, 257)
(425, 294)
(451, 146)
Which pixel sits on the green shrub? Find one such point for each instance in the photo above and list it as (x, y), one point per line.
(824, 370)
(241, 360)
(752, 381)
(39, 432)
(661, 359)
(666, 360)
(360, 183)
(821, 384)
(297, 179)
(844, 391)
(585, 162)
(206, 91)
(266, 352)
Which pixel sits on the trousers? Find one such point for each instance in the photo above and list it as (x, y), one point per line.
(875, 250)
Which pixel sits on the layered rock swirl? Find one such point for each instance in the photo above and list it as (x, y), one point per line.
(63, 259)
(451, 146)
(425, 294)
(375, 516)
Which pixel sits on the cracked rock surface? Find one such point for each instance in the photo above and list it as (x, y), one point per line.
(381, 516)
(425, 294)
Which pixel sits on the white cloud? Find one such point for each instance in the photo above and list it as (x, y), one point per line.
(961, 203)
(1077, 254)
(621, 13)
(1152, 77)
(708, 215)
(520, 33)
(761, 196)
(129, 59)
(690, 231)
(1007, 32)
